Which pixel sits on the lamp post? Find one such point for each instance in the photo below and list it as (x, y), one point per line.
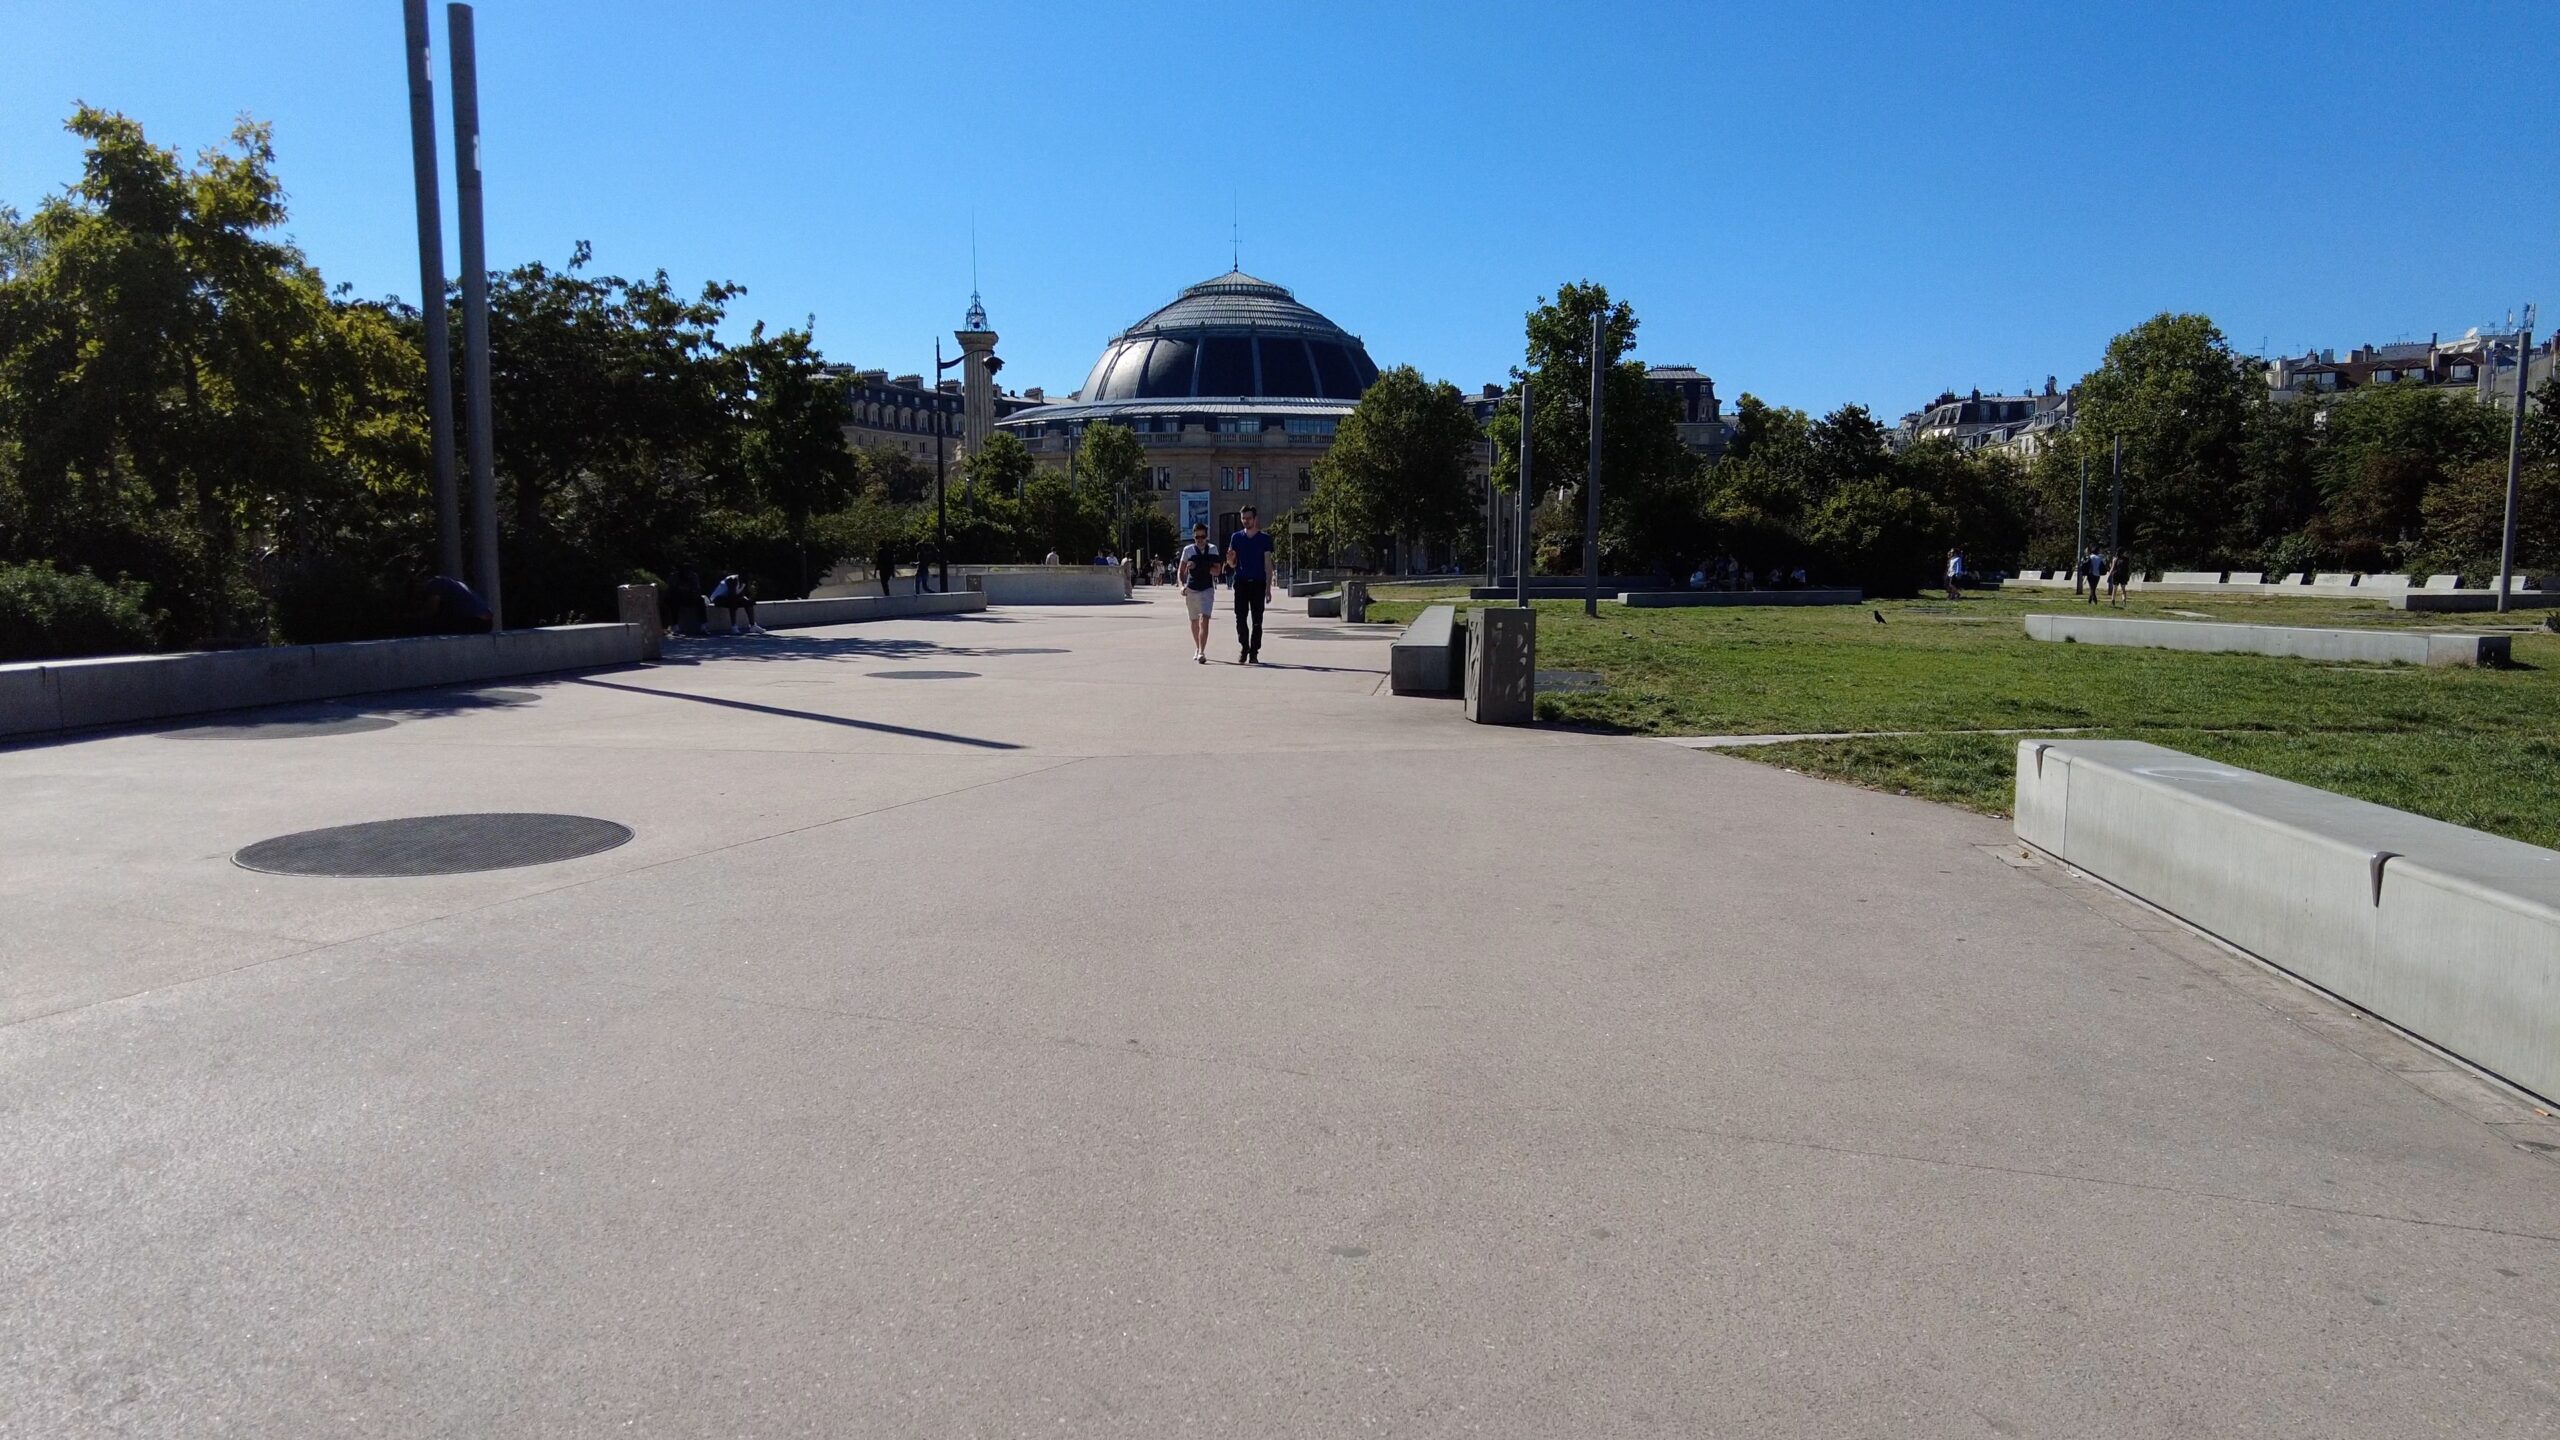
(1520, 541)
(475, 307)
(2515, 460)
(1591, 478)
(941, 502)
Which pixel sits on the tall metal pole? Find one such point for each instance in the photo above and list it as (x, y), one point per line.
(2515, 460)
(1591, 478)
(941, 503)
(1520, 540)
(2115, 511)
(475, 308)
(2080, 546)
(439, 352)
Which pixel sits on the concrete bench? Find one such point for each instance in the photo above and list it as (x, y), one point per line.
(1325, 607)
(2332, 580)
(2192, 577)
(2246, 577)
(2382, 582)
(2451, 601)
(1429, 658)
(2372, 647)
(1301, 589)
(1679, 599)
(2449, 933)
(2444, 582)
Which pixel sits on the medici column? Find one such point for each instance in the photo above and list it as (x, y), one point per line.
(977, 378)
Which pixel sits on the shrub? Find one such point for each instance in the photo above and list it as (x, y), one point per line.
(46, 614)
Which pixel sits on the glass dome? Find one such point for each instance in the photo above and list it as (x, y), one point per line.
(1234, 337)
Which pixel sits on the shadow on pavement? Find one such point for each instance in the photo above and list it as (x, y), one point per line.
(788, 714)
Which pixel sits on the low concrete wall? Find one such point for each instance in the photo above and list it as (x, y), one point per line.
(122, 689)
(1684, 599)
(2449, 933)
(2371, 647)
(2472, 601)
(1052, 585)
(850, 609)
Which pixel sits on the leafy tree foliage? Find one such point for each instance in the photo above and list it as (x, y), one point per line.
(1640, 438)
(179, 393)
(1398, 468)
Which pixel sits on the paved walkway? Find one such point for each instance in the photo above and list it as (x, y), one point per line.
(1097, 1043)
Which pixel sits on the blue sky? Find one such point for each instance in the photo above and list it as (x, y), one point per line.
(1814, 202)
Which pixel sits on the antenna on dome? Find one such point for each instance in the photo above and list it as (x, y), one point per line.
(1235, 245)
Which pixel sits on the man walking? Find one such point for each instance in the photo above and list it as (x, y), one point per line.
(1249, 561)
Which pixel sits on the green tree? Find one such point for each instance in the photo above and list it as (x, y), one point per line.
(1060, 515)
(175, 383)
(617, 428)
(1001, 466)
(1398, 467)
(2383, 449)
(793, 450)
(2181, 400)
(1640, 434)
(1111, 466)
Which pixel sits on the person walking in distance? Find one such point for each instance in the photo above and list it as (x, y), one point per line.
(2118, 571)
(1249, 560)
(2095, 567)
(1197, 574)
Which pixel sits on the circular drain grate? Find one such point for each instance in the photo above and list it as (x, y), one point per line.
(924, 674)
(433, 845)
(283, 729)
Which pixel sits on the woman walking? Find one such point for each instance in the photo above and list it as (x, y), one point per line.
(2117, 571)
(1198, 576)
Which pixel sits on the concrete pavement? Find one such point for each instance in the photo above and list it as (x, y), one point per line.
(1096, 1043)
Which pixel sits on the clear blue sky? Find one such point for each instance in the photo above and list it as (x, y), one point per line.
(1815, 202)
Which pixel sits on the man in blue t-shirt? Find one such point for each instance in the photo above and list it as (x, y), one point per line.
(1249, 561)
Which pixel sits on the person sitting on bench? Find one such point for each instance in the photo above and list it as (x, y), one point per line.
(734, 597)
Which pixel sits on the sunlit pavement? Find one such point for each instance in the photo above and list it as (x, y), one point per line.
(1001, 1024)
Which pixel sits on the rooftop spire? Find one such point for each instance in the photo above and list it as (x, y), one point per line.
(976, 319)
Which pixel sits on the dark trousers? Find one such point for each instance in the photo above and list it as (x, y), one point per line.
(1250, 596)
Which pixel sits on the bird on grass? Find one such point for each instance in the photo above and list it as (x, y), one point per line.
(1878, 614)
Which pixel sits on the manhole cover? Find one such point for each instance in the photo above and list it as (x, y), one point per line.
(283, 729)
(433, 845)
(1570, 682)
(923, 674)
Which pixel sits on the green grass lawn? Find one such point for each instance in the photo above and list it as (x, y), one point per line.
(2475, 747)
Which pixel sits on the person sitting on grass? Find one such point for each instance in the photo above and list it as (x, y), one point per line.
(735, 597)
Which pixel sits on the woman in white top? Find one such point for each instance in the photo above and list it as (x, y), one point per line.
(1198, 576)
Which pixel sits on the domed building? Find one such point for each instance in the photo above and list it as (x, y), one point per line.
(1234, 389)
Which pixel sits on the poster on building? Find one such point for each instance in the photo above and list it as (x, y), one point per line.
(1195, 511)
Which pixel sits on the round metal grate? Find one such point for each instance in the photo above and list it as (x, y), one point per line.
(924, 674)
(433, 845)
(286, 729)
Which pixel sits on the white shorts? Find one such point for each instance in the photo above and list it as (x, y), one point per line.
(1201, 603)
